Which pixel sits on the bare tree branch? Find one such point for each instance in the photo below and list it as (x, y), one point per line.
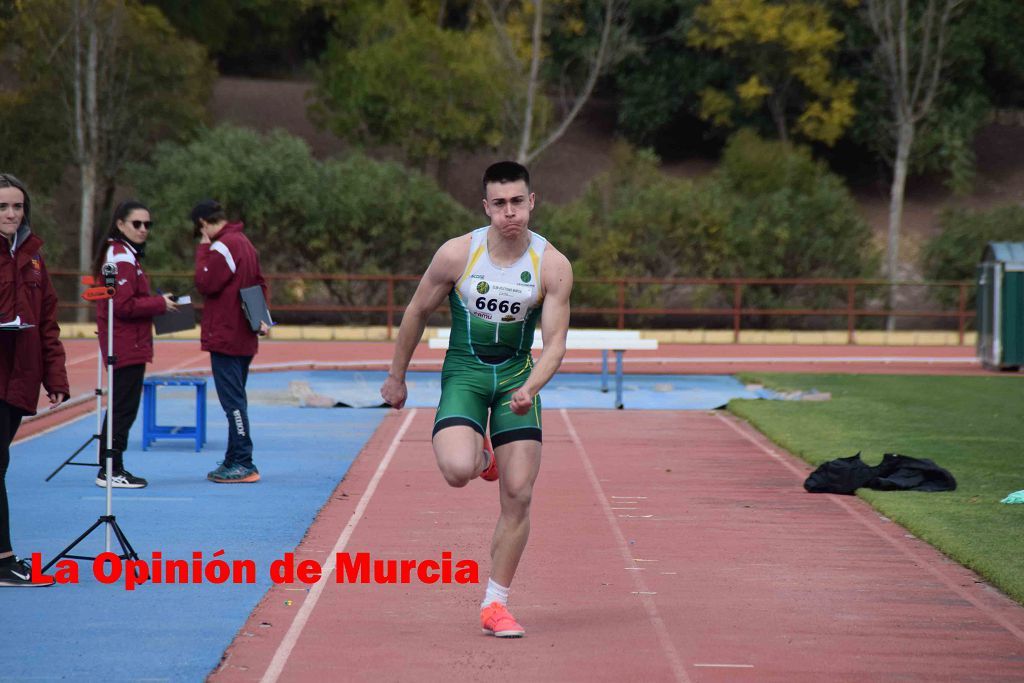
(531, 81)
(598, 65)
(497, 15)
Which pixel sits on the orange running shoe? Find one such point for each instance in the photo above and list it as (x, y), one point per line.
(491, 473)
(496, 621)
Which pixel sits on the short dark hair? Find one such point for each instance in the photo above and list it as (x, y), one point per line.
(505, 172)
(208, 210)
(7, 180)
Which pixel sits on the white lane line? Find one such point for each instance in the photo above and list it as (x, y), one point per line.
(25, 439)
(91, 396)
(675, 661)
(726, 666)
(284, 649)
(184, 365)
(670, 360)
(816, 360)
(142, 498)
(916, 558)
(81, 359)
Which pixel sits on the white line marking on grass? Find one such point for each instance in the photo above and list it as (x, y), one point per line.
(287, 644)
(915, 557)
(674, 660)
(726, 666)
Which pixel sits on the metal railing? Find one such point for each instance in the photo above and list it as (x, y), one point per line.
(716, 302)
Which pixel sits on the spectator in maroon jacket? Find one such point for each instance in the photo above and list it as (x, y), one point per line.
(226, 262)
(29, 356)
(134, 309)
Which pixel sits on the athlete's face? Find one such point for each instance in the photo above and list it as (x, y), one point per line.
(508, 205)
(12, 211)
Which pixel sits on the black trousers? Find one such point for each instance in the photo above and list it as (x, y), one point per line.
(10, 420)
(127, 395)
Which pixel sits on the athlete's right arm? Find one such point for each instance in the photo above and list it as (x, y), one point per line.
(444, 270)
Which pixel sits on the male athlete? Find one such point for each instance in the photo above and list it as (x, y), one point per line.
(500, 281)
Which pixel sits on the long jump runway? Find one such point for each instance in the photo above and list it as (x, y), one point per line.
(666, 546)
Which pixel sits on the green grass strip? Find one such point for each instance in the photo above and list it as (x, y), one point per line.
(972, 426)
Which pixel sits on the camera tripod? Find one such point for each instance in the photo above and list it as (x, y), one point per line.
(94, 293)
(99, 293)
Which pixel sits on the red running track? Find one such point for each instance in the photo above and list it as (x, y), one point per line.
(666, 546)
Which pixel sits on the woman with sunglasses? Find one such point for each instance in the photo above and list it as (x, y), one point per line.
(134, 309)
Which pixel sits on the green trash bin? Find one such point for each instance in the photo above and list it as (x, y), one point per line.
(1001, 306)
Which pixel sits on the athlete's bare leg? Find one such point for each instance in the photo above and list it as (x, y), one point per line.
(519, 464)
(459, 453)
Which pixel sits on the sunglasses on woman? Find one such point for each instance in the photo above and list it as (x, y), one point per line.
(138, 224)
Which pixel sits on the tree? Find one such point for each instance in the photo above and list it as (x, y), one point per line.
(791, 216)
(524, 57)
(110, 76)
(769, 211)
(954, 253)
(255, 37)
(911, 55)
(783, 54)
(657, 82)
(402, 80)
(350, 215)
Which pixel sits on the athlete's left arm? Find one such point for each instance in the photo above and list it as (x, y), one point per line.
(556, 278)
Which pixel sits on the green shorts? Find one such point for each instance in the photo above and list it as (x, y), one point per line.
(470, 389)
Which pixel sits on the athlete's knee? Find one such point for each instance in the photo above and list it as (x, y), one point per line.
(516, 497)
(456, 474)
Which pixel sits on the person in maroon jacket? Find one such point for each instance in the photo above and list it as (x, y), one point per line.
(226, 262)
(29, 356)
(134, 309)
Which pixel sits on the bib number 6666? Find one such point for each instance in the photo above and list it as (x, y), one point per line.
(500, 305)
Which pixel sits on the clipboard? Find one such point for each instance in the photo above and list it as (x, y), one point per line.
(176, 321)
(15, 325)
(254, 305)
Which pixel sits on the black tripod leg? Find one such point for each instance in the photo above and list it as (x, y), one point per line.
(63, 553)
(72, 457)
(126, 547)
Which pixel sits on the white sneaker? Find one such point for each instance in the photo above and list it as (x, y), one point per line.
(121, 479)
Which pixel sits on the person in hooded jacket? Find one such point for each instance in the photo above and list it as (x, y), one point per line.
(31, 353)
(135, 306)
(226, 263)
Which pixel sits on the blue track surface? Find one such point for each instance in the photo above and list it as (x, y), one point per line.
(644, 392)
(91, 631)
